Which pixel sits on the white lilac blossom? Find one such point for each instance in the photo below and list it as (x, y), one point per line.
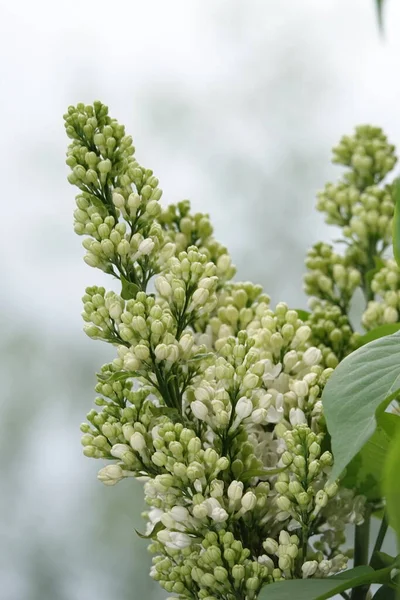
(214, 397)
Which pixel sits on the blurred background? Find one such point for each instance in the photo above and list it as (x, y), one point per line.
(235, 105)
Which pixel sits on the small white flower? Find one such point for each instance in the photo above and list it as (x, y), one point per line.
(173, 353)
(309, 568)
(215, 510)
(271, 371)
(302, 335)
(290, 360)
(118, 200)
(284, 538)
(155, 515)
(199, 409)
(250, 381)
(131, 363)
(161, 351)
(137, 442)
(283, 503)
(265, 401)
(271, 546)
(167, 251)
(175, 540)
(219, 515)
(202, 394)
(146, 247)
(200, 297)
(186, 343)
(168, 521)
(120, 451)
(285, 562)
(200, 511)
(390, 315)
(300, 388)
(259, 416)
(274, 415)
(249, 501)
(244, 408)
(217, 488)
(235, 491)
(163, 287)
(324, 567)
(115, 310)
(266, 561)
(134, 201)
(207, 282)
(297, 417)
(312, 356)
(111, 474)
(142, 352)
(224, 262)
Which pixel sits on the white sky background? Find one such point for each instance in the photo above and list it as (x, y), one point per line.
(234, 104)
(193, 82)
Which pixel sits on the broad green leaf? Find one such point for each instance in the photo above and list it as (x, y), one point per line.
(303, 314)
(129, 289)
(364, 473)
(321, 589)
(391, 485)
(381, 560)
(385, 593)
(365, 381)
(396, 222)
(378, 332)
(390, 423)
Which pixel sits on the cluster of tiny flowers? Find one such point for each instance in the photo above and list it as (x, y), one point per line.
(329, 276)
(386, 285)
(214, 398)
(361, 204)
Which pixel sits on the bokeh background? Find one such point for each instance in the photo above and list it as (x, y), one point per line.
(235, 104)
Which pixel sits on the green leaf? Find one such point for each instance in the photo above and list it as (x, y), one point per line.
(379, 7)
(129, 289)
(364, 473)
(385, 593)
(153, 533)
(391, 485)
(396, 222)
(98, 204)
(202, 356)
(378, 332)
(172, 413)
(381, 560)
(321, 589)
(390, 423)
(247, 475)
(118, 376)
(303, 314)
(363, 383)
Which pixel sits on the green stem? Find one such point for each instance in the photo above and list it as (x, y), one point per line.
(361, 552)
(381, 535)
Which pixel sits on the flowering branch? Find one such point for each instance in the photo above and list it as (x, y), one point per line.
(214, 398)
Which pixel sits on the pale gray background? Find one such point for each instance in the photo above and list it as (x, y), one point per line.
(234, 104)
